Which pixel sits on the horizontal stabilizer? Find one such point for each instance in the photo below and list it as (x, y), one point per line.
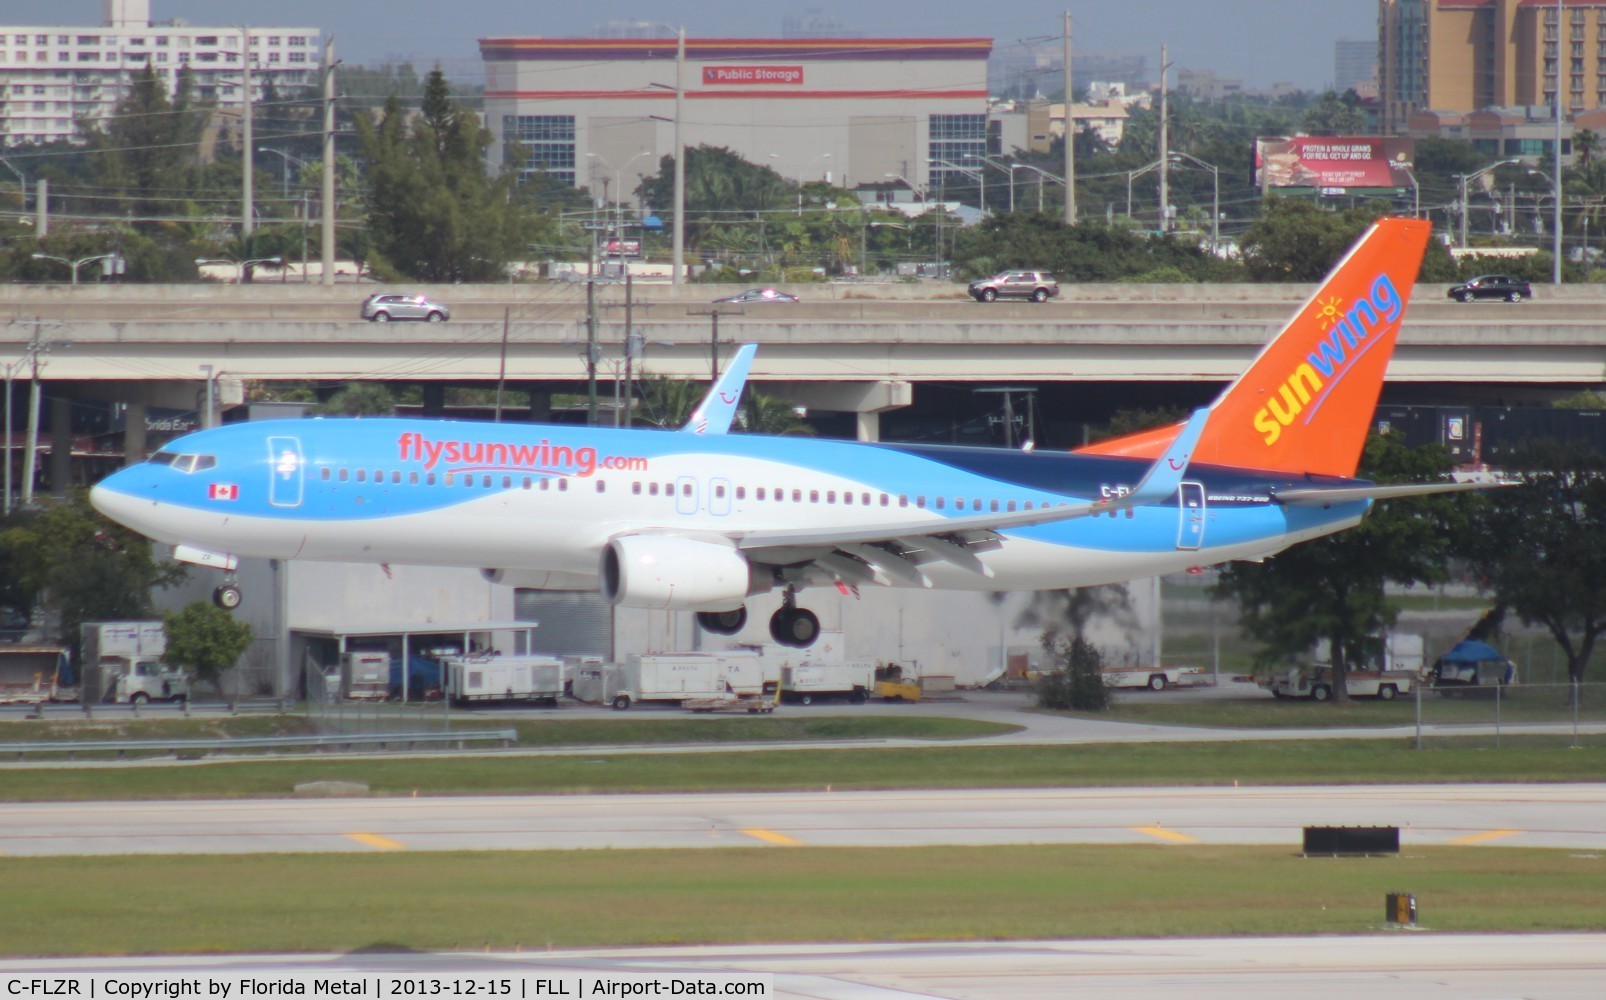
(1349, 494)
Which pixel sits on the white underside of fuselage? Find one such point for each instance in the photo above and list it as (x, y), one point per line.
(563, 533)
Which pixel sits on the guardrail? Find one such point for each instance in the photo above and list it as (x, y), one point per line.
(336, 743)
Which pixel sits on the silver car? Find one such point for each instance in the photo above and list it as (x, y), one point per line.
(382, 308)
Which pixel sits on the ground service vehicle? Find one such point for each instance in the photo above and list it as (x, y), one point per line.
(503, 678)
(1316, 683)
(365, 675)
(1154, 678)
(123, 663)
(808, 682)
(1038, 286)
(675, 677)
(32, 674)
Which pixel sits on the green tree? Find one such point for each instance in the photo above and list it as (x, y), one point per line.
(78, 565)
(1540, 548)
(667, 402)
(359, 399)
(771, 415)
(1078, 681)
(1333, 587)
(205, 640)
(1085, 252)
(1295, 240)
(144, 155)
(433, 214)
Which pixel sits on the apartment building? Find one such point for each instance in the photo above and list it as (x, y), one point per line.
(52, 76)
(1465, 55)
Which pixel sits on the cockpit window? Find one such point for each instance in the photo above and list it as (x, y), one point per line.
(184, 463)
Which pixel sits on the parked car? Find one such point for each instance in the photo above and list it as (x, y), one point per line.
(384, 307)
(1038, 286)
(759, 295)
(1492, 286)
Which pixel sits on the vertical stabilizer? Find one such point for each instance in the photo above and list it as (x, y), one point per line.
(1305, 404)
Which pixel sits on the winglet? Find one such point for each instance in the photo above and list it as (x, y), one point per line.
(715, 413)
(1165, 475)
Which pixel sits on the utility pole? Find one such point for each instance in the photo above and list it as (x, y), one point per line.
(1165, 151)
(247, 208)
(30, 456)
(41, 207)
(679, 262)
(630, 341)
(1555, 274)
(501, 368)
(328, 251)
(713, 341)
(1070, 136)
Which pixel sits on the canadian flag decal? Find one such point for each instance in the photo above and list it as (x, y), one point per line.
(224, 491)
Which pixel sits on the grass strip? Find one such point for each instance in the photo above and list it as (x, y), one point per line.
(538, 731)
(561, 899)
(1289, 762)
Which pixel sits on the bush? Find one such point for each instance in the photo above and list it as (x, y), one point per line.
(1078, 684)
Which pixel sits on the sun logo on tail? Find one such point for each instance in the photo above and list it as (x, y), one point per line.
(1329, 312)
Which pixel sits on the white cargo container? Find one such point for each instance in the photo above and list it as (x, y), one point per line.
(675, 677)
(123, 663)
(365, 675)
(504, 678)
(808, 682)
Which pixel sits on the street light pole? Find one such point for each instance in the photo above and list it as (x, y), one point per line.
(678, 264)
(247, 143)
(327, 253)
(1464, 178)
(1555, 274)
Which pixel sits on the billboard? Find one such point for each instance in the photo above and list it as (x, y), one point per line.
(1334, 164)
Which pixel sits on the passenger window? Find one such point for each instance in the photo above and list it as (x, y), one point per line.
(468, 482)
(652, 489)
(920, 502)
(429, 480)
(323, 473)
(635, 489)
(546, 484)
(847, 498)
(395, 478)
(507, 482)
(203, 462)
(741, 493)
(602, 487)
(994, 506)
(362, 475)
(830, 496)
(563, 486)
(759, 495)
(485, 481)
(886, 500)
(685, 489)
(527, 482)
(344, 474)
(865, 499)
(450, 479)
(797, 496)
(719, 492)
(184, 463)
(940, 501)
(814, 496)
(1010, 506)
(412, 479)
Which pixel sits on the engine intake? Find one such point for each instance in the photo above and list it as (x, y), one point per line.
(674, 572)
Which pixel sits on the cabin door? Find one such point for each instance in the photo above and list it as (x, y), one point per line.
(285, 472)
(1191, 515)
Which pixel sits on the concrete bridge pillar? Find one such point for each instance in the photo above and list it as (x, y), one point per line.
(866, 400)
(134, 436)
(60, 442)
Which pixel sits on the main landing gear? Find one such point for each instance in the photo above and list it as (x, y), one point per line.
(792, 625)
(723, 622)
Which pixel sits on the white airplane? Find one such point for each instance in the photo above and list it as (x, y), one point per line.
(705, 521)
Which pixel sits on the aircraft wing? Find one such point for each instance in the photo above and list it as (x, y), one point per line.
(896, 550)
(715, 413)
(1345, 494)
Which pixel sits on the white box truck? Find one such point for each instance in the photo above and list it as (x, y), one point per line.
(123, 663)
(677, 677)
(808, 682)
(503, 678)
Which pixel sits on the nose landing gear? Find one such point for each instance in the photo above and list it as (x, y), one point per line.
(227, 596)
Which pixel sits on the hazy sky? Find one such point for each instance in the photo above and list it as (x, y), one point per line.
(1260, 41)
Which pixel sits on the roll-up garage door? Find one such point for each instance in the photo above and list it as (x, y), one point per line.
(572, 622)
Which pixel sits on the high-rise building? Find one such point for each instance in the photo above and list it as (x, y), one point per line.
(1464, 55)
(53, 76)
(1354, 64)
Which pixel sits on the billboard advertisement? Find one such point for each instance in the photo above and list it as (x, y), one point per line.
(1333, 164)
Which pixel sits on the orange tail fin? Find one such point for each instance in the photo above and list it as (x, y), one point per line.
(1306, 403)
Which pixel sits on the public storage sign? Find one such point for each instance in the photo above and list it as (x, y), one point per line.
(753, 74)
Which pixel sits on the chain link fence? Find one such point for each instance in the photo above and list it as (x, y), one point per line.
(333, 715)
(1563, 714)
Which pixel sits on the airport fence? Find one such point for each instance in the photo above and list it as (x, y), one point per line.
(1566, 714)
(332, 715)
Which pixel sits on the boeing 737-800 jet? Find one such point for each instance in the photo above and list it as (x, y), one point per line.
(705, 521)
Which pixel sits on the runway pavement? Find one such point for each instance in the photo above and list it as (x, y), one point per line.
(1564, 816)
(1400, 966)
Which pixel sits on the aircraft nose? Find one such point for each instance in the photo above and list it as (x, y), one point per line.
(111, 498)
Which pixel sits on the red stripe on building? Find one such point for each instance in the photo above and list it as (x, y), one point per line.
(703, 95)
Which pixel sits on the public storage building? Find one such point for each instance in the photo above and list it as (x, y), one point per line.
(600, 113)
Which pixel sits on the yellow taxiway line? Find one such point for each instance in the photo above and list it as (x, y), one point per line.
(376, 841)
(771, 837)
(1161, 833)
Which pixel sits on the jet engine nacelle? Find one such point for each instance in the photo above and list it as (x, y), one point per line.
(538, 579)
(677, 573)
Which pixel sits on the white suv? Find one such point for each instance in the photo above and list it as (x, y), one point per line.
(386, 307)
